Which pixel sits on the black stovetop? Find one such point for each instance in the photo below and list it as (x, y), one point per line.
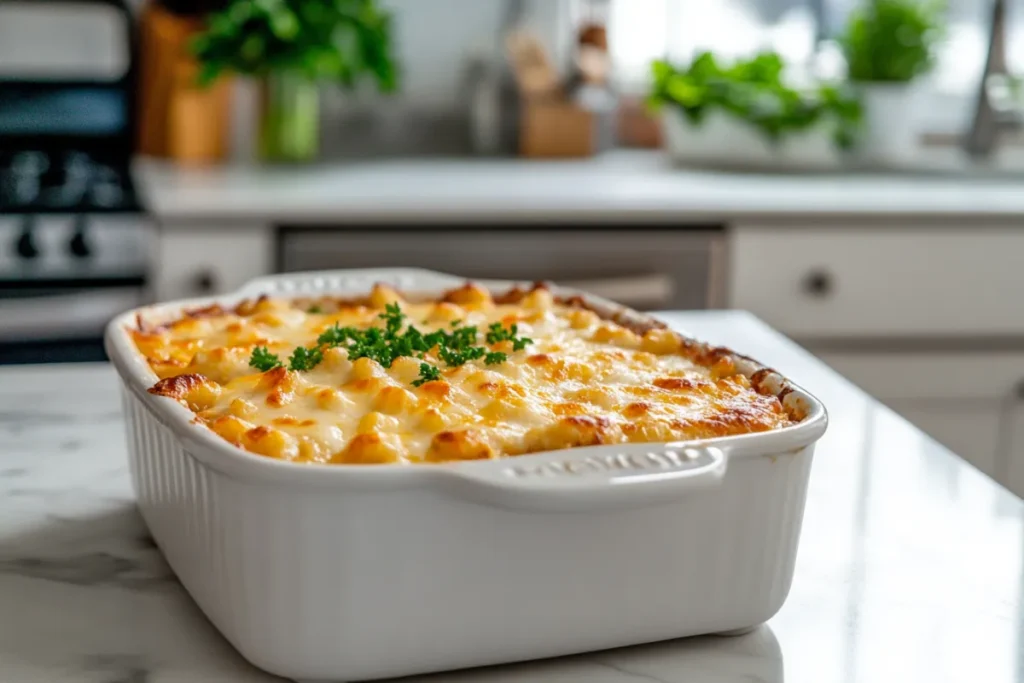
(66, 181)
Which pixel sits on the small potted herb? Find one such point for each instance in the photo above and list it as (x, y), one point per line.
(888, 45)
(745, 113)
(290, 47)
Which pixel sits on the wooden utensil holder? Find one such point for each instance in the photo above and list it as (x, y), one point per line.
(556, 128)
(178, 119)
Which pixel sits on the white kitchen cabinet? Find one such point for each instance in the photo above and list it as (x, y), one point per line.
(1014, 478)
(963, 376)
(961, 399)
(928, 319)
(198, 261)
(971, 429)
(880, 280)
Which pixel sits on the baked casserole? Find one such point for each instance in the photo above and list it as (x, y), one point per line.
(394, 378)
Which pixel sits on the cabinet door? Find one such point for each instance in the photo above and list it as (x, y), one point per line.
(971, 429)
(961, 399)
(879, 281)
(200, 261)
(1014, 479)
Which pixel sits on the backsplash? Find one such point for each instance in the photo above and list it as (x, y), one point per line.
(435, 41)
(436, 38)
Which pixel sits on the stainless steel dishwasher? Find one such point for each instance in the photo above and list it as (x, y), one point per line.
(646, 268)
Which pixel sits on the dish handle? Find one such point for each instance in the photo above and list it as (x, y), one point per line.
(597, 477)
(350, 281)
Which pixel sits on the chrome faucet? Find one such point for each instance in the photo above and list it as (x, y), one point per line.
(994, 109)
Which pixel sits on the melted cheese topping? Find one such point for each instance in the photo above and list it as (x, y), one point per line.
(584, 381)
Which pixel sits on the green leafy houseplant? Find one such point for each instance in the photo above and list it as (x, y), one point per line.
(753, 91)
(291, 46)
(892, 41)
(888, 44)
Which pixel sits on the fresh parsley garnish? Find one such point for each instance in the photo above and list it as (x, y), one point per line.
(334, 336)
(393, 318)
(305, 359)
(456, 347)
(455, 356)
(428, 373)
(262, 359)
(498, 333)
(314, 309)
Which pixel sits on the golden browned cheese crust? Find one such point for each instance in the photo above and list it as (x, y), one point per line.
(584, 380)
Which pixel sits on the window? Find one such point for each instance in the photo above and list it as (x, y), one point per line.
(643, 30)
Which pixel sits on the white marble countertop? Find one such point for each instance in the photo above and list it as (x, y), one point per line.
(634, 186)
(910, 566)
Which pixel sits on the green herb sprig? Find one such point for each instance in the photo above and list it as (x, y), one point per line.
(302, 358)
(428, 373)
(498, 333)
(263, 360)
(305, 359)
(455, 348)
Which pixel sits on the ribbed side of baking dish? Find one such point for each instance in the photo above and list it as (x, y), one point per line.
(315, 585)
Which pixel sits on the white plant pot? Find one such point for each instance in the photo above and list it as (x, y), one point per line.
(722, 140)
(891, 123)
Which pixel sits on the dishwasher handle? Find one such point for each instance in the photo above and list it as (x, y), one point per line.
(657, 290)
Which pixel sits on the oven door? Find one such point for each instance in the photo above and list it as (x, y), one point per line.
(60, 324)
(54, 306)
(643, 268)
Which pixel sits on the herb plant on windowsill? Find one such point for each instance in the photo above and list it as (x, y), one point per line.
(291, 46)
(749, 98)
(889, 44)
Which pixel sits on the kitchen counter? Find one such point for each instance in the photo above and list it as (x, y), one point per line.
(633, 186)
(910, 565)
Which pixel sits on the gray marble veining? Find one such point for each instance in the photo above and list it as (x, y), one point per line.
(911, 566)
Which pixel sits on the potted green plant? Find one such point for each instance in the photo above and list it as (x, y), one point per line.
(290, 47)
(745, 113)
(888, 45)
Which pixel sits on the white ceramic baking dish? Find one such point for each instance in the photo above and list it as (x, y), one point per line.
(357, 572)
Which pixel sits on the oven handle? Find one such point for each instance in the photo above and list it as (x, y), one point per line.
(655, 288)
(63, 316)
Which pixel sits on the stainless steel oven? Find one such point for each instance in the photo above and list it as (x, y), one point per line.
(647, 268)
(74, 239)
(55, 304)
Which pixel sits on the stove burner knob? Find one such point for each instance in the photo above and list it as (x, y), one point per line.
(25, 246)
(26, 190)
(106, 194)
(79, 245)
(77, 165)
(29, 164)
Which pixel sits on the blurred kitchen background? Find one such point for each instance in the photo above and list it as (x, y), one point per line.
(851, 171)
